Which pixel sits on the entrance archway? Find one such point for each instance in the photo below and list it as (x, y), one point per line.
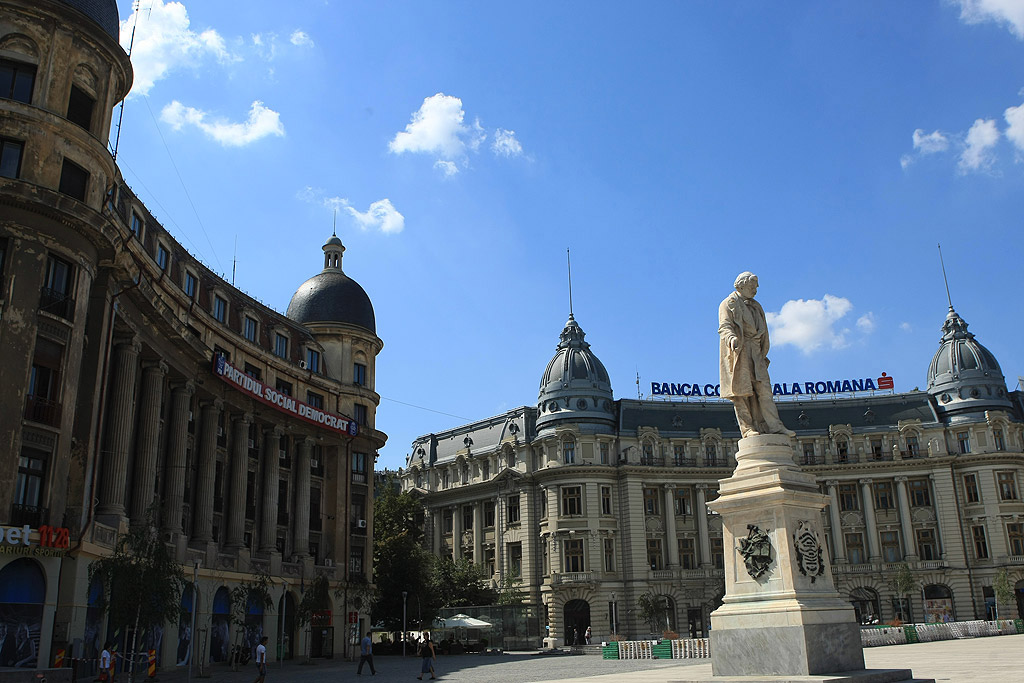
(865, 605)
(938, 603)
(22, 594)
(1018, 592)
(184, 651)
(576, 617)
(220, 625)
(286, 609)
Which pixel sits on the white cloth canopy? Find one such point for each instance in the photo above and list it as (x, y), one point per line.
(463, 621)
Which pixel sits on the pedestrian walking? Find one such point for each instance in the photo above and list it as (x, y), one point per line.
(586, 635)
(261, 660)
(106, 663)
(427, 657)
(366, 655)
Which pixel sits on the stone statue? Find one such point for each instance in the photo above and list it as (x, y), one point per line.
(743, 360)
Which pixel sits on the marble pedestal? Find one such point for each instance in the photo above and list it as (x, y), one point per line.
(790, 621)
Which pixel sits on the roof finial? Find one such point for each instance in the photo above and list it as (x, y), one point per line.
(948, 298)
(569, 266)
(335, 233)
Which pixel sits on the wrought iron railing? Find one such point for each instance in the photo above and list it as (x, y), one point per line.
(57, 303)
(42, 410)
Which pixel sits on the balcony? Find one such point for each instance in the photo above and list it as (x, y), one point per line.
(664, 574)
(652, 460)
(714, 462)
(572, 577)
(32, 515)
(359, 477)
(57, 303)
(43, 411)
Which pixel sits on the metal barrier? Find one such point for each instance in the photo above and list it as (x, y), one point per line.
(928, 633)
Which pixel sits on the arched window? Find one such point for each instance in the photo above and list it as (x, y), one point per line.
(938, 604)
(866, 605)
(220, 625)
(22, 594)
(569, 451)
(185, 625)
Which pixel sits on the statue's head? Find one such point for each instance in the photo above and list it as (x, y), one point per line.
(746, 284)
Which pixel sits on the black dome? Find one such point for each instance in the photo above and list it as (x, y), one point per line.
(332, 296)
(103, 12)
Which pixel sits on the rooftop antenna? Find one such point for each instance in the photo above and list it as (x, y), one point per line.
(639, 396)
(568, 263)
(234, 261)
(950, 300)
(131, 43)
(335, 233)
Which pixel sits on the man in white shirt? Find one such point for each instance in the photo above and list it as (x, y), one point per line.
(261, 660)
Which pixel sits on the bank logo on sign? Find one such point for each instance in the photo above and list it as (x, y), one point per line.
(353, 428)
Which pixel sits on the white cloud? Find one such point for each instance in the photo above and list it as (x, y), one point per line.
(930, 143)
(981, 138)
(906, 327)
(1015, 127)
(866, 323)
(505, 143)
(1010, 12)
(448, 168)
(437, 128)
(381, 215)
(301, 38)
(164, 42)
(810, 324)
(261, 123)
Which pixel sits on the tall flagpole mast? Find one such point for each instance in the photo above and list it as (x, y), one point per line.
(568, 264)
(944, 280)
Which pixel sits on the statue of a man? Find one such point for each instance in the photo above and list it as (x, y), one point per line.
(743, 360)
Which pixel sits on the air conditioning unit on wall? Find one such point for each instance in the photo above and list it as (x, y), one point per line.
(328, 562)
(361, 523)
(302, 365)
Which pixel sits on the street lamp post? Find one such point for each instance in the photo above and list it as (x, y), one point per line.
(405, 594)
(615, 620)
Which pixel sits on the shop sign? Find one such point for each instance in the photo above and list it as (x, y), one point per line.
(53, 541)
(844, 386)
(263, 393)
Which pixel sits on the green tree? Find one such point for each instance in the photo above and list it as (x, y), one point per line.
(903, 583)
(652, 609)
(1003, 589)
(458, 583)
(400, 562)
(141, 583)
(252, 596)
(510, 591)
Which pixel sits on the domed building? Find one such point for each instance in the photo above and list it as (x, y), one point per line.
(592, 502)
(144, 390)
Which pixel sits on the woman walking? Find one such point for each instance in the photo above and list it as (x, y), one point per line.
(427, 657)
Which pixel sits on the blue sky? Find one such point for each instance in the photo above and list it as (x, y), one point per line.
(827, 147)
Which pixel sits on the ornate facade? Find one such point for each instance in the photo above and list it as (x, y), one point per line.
(142, 385)
(594, 501)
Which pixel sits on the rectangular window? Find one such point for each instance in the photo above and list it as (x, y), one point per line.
(315, 400)
(606, 500)
(572, 501)
(808, 447)
(312, 360)
(10, 157)
(687, 554)
(58, 285)
(710, 455)
(249, 328)
(913, 447)
(515, 558)
(604, 453)
(682, 503)
(717, 552)
(283, 387)
(963, 440)
(359, 413)
(1007, 484)
(253, 371)
(842, 451)
(876, 449)
(191, 285)
(355, 561)
(28, 489)
(678, 456)
(282, 502)
(74, 180)
(654, 558)
(651, 506)
(1015, 537)
(855, 548)
(609, 554)
(359, 468)
(513, 510)
(920, 494)
(136, 225)
(980, 542)
(80, 106)
(489, 514)
(891, 546)
(485, 470)
(927, 548)
(220, 308)
(998, 440)
(467, 517)
(574, 556)
(883, 495)
(848, 499)
(971, 492)
(162, 256)
(16, 81)
(447, 524)
(489, 561)
(359, 374)
(280, 345)
(568, 452)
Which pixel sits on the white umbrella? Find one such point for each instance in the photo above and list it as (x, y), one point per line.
(464, 621)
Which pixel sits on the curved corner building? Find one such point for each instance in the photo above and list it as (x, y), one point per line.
(137, 382)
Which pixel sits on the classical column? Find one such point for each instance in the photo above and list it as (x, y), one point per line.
(148, 443)
(271, 477)
(478, 533)
(235, 536)
(456, 532)
(176, 460)
(670, 527)
(206, 467)
(119, 428)
(837, 526)
(870, 527)
(702, 526)
(906, 521)
(300, 538)
(438, 521)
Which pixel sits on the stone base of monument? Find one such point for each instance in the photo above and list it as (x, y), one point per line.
(862, 676)
(781, 618)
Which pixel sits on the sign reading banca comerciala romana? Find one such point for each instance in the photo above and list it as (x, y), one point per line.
(282, 402)
(839, 386)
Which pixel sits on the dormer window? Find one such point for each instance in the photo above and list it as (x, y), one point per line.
(220, 308)
(280, 345)
(191, 285)
(162, 256)
(359, 374)
(312, 360)
(17, 81)
(136, 225)
(250, 328)
(10, 157)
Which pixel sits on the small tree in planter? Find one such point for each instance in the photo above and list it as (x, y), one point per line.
(903, 583)
(653, 610)
(315, 599)
(252, 595)
(1003, 589)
